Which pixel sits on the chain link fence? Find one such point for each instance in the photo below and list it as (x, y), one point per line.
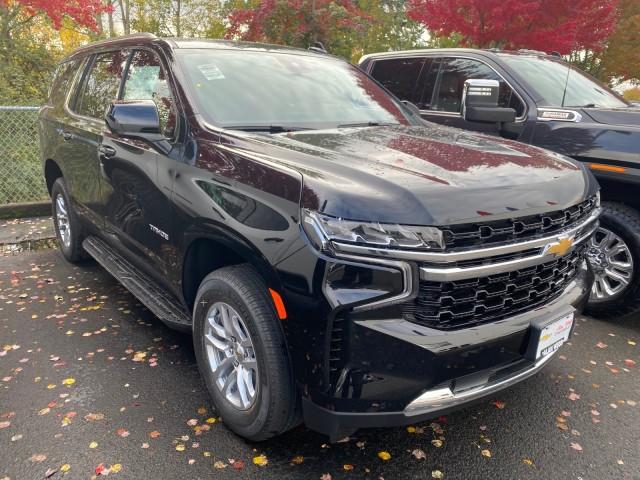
(21, 176)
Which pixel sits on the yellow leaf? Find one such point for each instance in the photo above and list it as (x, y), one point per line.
(115, 468)
(297, 460)
(436, 443)
(260, 460)
(384, 455)
(51, 386)
(69, 381)
(65, 468)
(527, 461)
(348, 467)
(93, 445)
(211, 420)
(44, 411)
(180, 447)
(486, 453)
(411, 429)
(437, 474)
(220, 464)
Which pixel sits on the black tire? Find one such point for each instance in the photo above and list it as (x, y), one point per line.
(71, 249)
(623, 221)
(275, 407)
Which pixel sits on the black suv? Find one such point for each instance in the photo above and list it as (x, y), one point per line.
(336, 259)
(554, 106)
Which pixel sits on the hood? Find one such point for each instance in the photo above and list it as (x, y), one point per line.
(628, 117)
(428, 175)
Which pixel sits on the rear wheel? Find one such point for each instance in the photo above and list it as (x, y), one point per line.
(68, 229)
(614, 255)
(242, 354)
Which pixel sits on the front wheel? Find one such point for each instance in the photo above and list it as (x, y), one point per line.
(68, 228)
(614, 255)
(242, 355)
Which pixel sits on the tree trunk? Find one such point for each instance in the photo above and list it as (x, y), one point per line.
(178, 29)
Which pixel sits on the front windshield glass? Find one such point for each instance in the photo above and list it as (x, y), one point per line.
(549, 77)
(249, 89)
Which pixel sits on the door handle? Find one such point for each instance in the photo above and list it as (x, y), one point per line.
(106, 150)
(66, 135)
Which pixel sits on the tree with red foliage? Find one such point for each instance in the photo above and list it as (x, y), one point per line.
(547, 25)
(15, 14)
(300, 23)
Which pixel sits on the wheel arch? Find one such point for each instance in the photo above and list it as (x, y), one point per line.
(207, 252)
(52, 172)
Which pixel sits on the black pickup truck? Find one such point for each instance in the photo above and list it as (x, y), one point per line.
(549, 104)
(336, 259)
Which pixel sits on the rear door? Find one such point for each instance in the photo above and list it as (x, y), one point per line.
(137, 176)
(97, 87)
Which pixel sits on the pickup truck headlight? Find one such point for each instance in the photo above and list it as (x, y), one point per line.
(375, 234)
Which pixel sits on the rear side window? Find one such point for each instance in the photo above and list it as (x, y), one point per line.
(102, 84)
(399, 76)
(147, 80)
(454, 72)
(62, 80)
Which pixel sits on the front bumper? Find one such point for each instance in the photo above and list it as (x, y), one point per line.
(338, 418)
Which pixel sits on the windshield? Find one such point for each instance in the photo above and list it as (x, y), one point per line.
(549, 78)
(249, 89)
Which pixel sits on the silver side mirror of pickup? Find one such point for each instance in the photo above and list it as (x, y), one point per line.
(480, 103)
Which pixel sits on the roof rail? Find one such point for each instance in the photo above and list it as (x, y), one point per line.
(534, 52)
(318, 47)
(107, 41)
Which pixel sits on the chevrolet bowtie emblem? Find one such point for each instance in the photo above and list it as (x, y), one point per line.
(561, 247)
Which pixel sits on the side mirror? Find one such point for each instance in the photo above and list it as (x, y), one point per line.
(480, 103)
(134, 118)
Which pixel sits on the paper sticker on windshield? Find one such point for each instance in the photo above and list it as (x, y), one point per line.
(211, 71)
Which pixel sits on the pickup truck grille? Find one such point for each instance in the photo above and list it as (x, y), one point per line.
(516, 229)
(474, 301)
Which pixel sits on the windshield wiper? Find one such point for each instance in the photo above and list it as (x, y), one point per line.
(365, 124)
(266, 128)
(588, 105)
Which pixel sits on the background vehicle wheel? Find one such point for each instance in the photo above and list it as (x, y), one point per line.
(242, 354)
(614, 255)
(68, 229)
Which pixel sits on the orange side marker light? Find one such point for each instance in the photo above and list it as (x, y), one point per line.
(279, 304)
(606, 168)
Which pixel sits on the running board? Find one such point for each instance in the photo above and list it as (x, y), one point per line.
(155, 297)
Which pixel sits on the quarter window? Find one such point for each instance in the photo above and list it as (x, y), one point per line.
(399, 76)
(146, 80)
(63, 78)
(454, 72)
(102, 84)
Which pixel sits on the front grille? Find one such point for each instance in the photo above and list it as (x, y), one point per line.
(516, 229)
(474, 301)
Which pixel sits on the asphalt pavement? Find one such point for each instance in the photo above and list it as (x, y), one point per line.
(92, 384)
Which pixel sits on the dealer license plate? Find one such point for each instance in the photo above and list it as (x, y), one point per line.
(553, 335)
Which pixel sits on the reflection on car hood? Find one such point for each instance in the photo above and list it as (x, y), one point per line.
(629, 117)
(428, 175)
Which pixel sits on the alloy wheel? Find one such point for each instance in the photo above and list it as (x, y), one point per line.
(612, 264)
(62, 219)
(231, 355)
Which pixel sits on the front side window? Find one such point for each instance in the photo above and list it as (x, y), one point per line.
(244, 88)
(560, 85)
(147, 80)
(102, 84)
(449, 86)
(399, 76)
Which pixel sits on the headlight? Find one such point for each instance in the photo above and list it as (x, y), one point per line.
(370, 233)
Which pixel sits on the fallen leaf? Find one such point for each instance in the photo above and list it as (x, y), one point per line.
(486, 453)
(154, 434)
(527, 461)
(65, 468)
(297, 460)
(419, 454)
(210, 420)
(436, 443)
(38, 457)
(629, 363)
(115, 468)
(498, 404)
(326, 476)
(122, 432)
(69, 381)
(601, 345)
(218, 464)
(437, 474)
(347, 467)
(260, 460)
(573, 396)
(384, 456)
(180, 447)
(576, 446)
(93, 445)
(192, 423)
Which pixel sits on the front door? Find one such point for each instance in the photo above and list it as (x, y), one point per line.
(137, 176)
(442, 86)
